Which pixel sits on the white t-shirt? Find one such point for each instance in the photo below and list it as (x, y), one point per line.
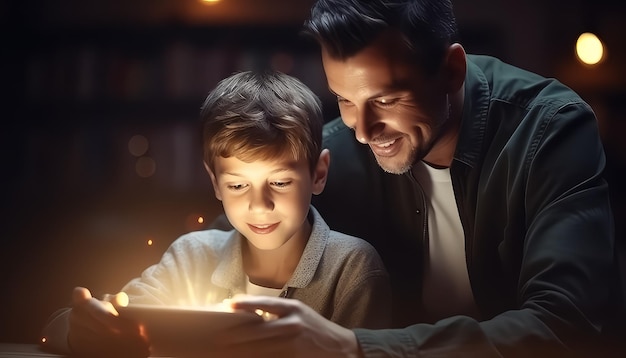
(252, 289)
(446, 287)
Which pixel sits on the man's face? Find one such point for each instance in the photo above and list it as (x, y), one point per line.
(393, 106)
(267, 201)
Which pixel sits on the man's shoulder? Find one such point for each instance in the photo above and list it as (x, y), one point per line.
(519, 86)
(496, 70)
(343, 146)
(335, 129)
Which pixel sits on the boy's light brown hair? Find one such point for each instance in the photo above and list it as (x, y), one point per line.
(260, 116)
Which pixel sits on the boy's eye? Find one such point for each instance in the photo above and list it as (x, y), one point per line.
(281, 184)
(236, 187)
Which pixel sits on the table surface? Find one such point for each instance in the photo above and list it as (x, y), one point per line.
(18, 350)
(25, 350)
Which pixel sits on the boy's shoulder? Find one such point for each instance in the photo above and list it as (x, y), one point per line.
(351, 253)
(347, 244)
(213, 238)
(336, 239)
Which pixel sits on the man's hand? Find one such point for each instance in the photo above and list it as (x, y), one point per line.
(297, 331)
(95, 330)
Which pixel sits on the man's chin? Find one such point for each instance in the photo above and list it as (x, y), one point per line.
(392, 165)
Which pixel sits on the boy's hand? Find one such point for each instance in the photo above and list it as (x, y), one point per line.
(95, 329)
(295, 330)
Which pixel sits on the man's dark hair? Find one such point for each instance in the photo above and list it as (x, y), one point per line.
(344, 27)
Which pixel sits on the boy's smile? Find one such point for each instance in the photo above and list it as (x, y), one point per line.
(263, 228)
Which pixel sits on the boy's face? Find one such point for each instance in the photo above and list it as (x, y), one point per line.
(267, 201)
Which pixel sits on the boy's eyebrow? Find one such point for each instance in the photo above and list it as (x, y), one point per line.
(272, 172)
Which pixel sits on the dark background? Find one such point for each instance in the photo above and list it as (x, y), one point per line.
(80, 78)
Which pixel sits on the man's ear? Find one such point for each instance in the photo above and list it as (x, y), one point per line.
(216, 188)
(321, 172)
(456, 67)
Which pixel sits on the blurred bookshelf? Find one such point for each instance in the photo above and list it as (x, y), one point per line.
(104, 82)
(162, 68)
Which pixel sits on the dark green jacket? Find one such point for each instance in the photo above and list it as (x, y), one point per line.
(527, 176)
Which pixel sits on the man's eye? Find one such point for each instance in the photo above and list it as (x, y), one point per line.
(385, 102)
(342, 101)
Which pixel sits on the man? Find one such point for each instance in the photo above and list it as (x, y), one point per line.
(490, 211)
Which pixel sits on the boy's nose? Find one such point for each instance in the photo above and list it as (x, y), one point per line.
(260, 200)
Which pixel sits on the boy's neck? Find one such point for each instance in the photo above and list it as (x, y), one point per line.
(273, 268)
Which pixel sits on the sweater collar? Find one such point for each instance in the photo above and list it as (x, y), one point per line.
(312, 254)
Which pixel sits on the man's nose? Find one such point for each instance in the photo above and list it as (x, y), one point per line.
(365, 124)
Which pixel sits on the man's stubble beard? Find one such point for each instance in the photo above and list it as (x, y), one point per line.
(404, 167)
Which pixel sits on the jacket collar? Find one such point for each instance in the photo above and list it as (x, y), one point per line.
(474, 120)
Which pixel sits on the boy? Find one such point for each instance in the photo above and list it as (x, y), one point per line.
(262, 149)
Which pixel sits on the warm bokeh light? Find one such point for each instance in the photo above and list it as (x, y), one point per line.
(121, 299)
(145, 167)
(142, 331)
(589, 49)
(44, 339)
(138, 145)
(194, 221)
(150, 242)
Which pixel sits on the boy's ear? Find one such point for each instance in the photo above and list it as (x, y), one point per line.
(216, 188)
(321, 172)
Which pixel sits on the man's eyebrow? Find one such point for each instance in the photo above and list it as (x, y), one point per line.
(383, 93)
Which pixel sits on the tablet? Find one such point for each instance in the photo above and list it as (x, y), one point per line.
(173, 331)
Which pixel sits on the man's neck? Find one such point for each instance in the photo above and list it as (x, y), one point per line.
(442, 153)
